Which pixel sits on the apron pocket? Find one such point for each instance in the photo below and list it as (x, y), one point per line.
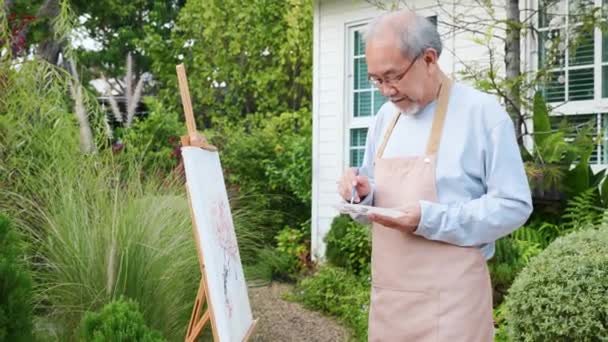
(403, 315)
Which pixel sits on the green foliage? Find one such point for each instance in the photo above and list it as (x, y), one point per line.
(504, 266)
(549, 165)
(561, 294)
(294, 243)
(36, 137)
(108, 232)
(339, 293)
(270, 265)
(578, 179)
(289, 260)
(127, 26)
(542, 125)
(118, 321)
(512, 254)
(291, 170)
(583, 210)
(515, 251)
(155, 139)
(249, 217)
(248, 57)
(270, 156)
(549, 168)
(544, 178)
(39, 31)
(289, 241)
(501, 334)
(604, 193)
(349, 245)
(15, 287)
(96, 227)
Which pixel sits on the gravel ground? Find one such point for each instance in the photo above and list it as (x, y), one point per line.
(280, 320)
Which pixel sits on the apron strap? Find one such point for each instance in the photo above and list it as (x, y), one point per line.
(387, 135)
(442, 107)
(435, 136)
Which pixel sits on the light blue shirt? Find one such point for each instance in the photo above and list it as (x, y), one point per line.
(482, 188)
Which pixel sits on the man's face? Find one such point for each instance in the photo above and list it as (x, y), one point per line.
(401, 79)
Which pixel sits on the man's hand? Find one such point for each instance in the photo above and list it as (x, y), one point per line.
(407, 223)
(350, 179)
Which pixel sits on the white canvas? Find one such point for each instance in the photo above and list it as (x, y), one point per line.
(227, 290)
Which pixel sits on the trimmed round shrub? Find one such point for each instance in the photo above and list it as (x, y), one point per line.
(562, 295)
(118, 321)
(15, 288)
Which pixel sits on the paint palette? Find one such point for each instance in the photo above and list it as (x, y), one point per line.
(358, 209)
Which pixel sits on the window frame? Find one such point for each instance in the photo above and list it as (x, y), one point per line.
(598, 105)
(351, 121)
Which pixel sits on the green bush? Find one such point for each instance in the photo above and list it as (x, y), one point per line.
(155, 140)
(270, 265)
(270, 156)
(96, 228)
(287, 261)
(501, 334)
(118, 321)
(339, 293)
(510, 257)
(562, 295)
(98, 225)
(15, 288)
(349, 245)
(30, 147)
(294, 243)
(109, 232)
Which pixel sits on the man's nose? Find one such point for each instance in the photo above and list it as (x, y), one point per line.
(387, 91)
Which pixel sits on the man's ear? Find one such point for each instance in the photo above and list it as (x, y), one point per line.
(430, 56)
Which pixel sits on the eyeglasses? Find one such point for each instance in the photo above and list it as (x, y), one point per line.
(391, 81)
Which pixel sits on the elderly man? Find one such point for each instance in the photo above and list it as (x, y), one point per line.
(446, 155)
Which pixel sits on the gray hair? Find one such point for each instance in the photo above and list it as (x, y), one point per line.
(415, 35)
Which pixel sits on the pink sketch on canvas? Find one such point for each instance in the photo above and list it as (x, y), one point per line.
(224, 229)
(227, 241)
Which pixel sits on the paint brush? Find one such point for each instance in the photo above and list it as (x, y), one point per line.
(354, 191)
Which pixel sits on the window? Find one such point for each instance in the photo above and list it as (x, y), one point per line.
(357, 145)
(364, 99)
(571, 68)
(576, 60)
(367, 99)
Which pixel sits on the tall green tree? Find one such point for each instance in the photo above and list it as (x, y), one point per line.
(31, 26)
(120, 27)
(242, 57)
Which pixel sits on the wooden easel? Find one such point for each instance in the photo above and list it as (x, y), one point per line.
(184, 91)
(198, 318)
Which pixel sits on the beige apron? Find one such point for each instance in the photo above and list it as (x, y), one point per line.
(423, 290)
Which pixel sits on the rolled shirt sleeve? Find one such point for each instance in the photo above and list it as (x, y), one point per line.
(504, 207)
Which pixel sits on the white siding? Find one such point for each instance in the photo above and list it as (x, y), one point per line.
(331, 117)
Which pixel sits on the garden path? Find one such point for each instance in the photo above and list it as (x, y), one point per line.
(281, 320)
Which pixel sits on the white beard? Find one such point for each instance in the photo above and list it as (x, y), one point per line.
(413, 110)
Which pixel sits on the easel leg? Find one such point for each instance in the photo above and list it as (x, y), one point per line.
(196, 325)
